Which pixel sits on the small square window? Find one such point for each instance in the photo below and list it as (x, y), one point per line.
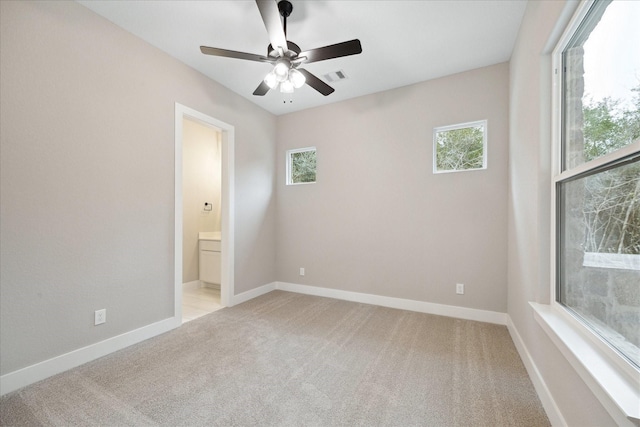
(301, 166)
(460, 147)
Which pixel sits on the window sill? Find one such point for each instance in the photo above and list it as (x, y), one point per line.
(300, 183)
(617, 388)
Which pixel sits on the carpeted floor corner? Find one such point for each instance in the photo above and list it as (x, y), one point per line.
(286, 359)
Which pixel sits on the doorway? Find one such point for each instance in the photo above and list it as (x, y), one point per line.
(222, 207)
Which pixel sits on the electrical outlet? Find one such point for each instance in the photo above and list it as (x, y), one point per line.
(302, 271)
(100, 316)
(459, 288)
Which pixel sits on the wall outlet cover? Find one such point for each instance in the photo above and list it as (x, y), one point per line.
(100, 316)
(459, 288)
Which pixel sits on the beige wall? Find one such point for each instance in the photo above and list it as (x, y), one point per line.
(87, 179)
(86, 182)
(201, 182)
(378, 220)
(529, 207)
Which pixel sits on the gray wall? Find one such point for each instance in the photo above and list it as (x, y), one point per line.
(87, 179)
(529, 207)
(378, 220)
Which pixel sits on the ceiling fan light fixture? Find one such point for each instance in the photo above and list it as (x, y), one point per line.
(281, 70)
(284, 55)
(296, 78)
(286, 86)
(271, 80)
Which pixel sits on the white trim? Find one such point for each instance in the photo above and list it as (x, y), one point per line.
(191, 286)
(548, 403)
(254, 293)
(228, 141)
(177, 244)
(34, 373)
(482, 123)
(617, 392)
(402, 304)
(621, 153)
(47, 368)
(612, 380)
(558, 86)
(590, 337)
(208, 285)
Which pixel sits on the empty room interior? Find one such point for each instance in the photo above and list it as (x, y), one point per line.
(320, 213)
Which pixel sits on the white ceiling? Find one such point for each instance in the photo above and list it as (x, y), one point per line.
(403, 42)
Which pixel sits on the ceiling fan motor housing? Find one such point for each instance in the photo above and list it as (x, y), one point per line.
(285, 7)
(294, 50)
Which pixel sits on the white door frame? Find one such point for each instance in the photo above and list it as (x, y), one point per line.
(227, 131)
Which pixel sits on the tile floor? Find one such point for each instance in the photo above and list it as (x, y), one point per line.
(197, 302)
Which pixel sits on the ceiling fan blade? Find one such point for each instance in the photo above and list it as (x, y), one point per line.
(352, 47)
(316, 83)
(234, 54)
(262, 89)
(271, 18)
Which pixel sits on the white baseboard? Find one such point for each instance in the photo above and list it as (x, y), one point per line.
(31, 374)
(210, 285)
(45, 369)
(253, 293)
(548, 403)
(403, 304)
(191, 286)
(197, 284)
(34, 373)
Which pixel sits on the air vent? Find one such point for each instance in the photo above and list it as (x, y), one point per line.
(334, 76)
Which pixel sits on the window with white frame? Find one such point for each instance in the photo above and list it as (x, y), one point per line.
(597, 176)
(301, 166)
(460, 147)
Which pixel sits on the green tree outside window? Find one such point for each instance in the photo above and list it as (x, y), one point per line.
(460, 147)
(302, 166)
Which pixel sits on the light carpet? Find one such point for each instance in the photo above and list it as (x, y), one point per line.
(285, 359)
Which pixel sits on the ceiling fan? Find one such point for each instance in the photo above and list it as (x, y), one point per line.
(286, 56)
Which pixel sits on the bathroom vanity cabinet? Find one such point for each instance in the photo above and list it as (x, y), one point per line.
(210, 260)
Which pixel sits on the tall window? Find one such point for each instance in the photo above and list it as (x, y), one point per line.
(598, 179)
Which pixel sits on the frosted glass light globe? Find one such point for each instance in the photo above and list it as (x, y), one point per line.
(296, 78)
(281, 71)
(271, 80)
(286, 87)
